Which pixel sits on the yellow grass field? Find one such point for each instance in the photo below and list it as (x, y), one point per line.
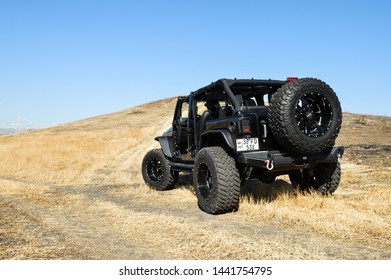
(75, 192)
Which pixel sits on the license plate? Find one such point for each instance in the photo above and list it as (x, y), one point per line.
(247, 144)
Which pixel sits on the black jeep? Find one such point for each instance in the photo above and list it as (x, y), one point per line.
(234, 130)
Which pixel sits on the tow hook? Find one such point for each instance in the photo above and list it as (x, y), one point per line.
(269, 164)
(339, 158)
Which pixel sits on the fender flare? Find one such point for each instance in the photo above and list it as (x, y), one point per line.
(167, 145)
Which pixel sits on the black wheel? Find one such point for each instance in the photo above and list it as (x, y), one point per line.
(324, 178)
(157, 172)
(216, 181)
(305, 116)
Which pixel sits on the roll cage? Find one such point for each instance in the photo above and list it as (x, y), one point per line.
(232, 93)
(235, 89)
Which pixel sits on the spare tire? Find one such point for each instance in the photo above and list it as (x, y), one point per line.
(305, 116)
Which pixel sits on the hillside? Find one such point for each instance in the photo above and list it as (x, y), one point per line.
(75, 192)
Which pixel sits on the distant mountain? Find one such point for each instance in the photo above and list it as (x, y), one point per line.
(11, 130)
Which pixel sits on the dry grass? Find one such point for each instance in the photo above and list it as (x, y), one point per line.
(75, 192)
(63, 158)
(363, 217)
(44, 231)
(365, 129)
(70, 153)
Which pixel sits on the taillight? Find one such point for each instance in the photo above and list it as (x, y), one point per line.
(244, 127)
(290, 79)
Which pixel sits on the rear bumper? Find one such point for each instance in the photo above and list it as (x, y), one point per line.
(276, 160)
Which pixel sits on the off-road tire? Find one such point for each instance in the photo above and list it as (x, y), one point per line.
(324, 178)
(216, 181)
(305, 116)
(157, 171)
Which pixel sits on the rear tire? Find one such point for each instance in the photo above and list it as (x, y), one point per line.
(324, 178)
(216, 181)
(157, 171)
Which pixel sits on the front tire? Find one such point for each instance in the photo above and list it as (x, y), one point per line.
(157, 171)
(216, 181)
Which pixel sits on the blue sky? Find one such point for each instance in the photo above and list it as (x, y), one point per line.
(66, 60)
